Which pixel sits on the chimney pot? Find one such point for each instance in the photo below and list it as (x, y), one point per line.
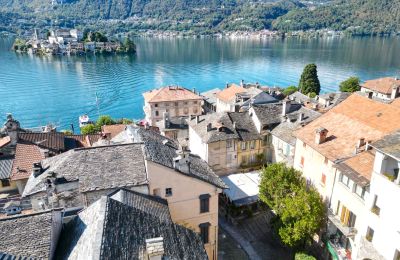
(320, 135)
(197, 119)
(285, 107)
(209, 126)
(301, 117)
(360, 142)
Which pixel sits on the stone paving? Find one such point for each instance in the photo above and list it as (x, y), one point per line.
(254, 235)
(228, 248)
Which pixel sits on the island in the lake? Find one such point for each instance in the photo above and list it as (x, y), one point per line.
(71, 42)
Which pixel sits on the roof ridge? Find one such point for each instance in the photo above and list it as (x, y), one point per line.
(103, 146)
(147, 196)
(30, 214)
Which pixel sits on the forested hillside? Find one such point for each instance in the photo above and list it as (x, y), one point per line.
(122, 15)
(203, 16)
(356, 16)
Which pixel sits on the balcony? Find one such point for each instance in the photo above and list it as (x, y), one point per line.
(347, 231)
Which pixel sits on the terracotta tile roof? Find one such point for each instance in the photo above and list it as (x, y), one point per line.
(82, 140)
(53, 140)
(170, 93)
(382, 85)
(113, 130)
(359, 168)
(4, 141)
(25, 156)
(396, 102)
(228, 94)
(356, 117)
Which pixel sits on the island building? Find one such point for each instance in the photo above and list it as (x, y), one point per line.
(139, 160)
(383, 88)
(243, 141)
(321, 103)
(176, 101)
(121, 225)
(362, 220)
(339, 134)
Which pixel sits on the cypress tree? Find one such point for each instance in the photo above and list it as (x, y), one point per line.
(309, 82)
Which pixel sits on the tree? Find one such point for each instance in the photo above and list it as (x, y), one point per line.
(299, 208)
(309, 81)
(303, 256)
(302, 217)
(290, 90)
(277, 180)
(129, 46)
(104, 120)
(351, 84)
(89, 129)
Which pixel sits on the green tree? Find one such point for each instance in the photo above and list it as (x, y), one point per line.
(289, 90)
(129, 46)
(104, 120)
(67, 132)
(277, 180)
(351, 84)
(302, 217)
(299, 208)
(303, 256)
(89, 129)
(309, 81)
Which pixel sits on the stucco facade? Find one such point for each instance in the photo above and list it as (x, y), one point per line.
(11, 187)
(184, 202)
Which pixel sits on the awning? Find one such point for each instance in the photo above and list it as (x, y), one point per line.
(332, 251)
(243, 188)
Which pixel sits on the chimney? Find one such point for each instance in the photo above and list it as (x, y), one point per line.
(194, 90)
(395, 92)
(360, 142)
(155, 248)
(181, 162)
(242, 83)
(37, 169)
(197, 119)
(209, 126)
(257, 85)
(12, 128)
(301, 117)
(367, 146)
(234, 125)
(320, 135)
(285, 107)
(227, 85)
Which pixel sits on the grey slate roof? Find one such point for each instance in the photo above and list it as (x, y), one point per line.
(174, 123)
(335, 98)
(301, 98)
(27, 235)
(262, 98)
(245, 127)
(110, 229)
(210, 96)
(160, 153)
(95, 168)
(5, 167)
(284, 130)
(5, 256)
(389, 144)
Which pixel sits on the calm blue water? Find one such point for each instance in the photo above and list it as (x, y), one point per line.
(38, 90)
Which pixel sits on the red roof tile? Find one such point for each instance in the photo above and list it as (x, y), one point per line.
(171, 93)
(382, 85)
(25, 156)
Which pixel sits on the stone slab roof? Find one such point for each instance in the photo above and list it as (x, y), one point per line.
(355, 118)
(359, 167)
(25, 156)
(245, 127)
(110, 229)
(175, 123)
(285, 130)
(170, 94)
(164, 154)
(27, 235)
(96, 168)
(390, 144)
(382, 85)
(216, 120)
(4, 141)
(6, 167)
(211, 95)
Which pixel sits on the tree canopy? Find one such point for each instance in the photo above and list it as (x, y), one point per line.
(351, 84)
(309, 81)
(299, 207)
(289, 90)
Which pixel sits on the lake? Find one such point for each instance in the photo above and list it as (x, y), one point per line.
(38, 90)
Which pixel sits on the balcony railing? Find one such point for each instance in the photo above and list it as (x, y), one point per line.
(347, 231)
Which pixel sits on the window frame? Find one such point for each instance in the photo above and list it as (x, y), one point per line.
(168, 192)
(5, 183)
(204, 203)
(205, 232)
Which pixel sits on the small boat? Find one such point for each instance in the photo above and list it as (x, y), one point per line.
(84, 120)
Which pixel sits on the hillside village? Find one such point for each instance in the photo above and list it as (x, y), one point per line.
(165, 187)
